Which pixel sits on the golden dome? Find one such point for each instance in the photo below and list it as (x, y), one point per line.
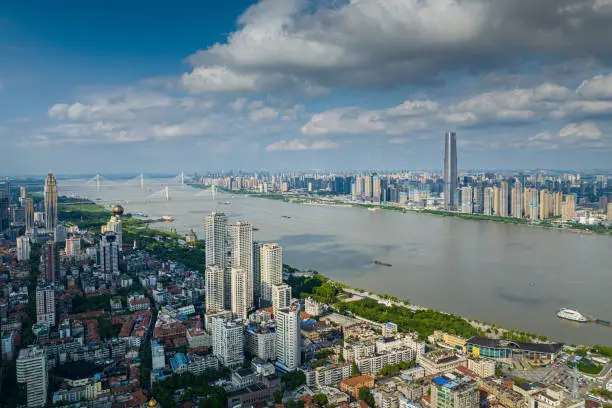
(152, 402)
(118, 210)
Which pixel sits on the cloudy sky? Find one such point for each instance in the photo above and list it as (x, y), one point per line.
(304, 84)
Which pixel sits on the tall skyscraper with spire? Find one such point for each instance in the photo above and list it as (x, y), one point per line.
(450, 171)
(50, 202)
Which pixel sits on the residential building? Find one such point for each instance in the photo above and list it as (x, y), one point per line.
(260, 341)
(29, 215)
(45, 304)
(158, 356)
(32, 371)
(240, 297)
(257, 272)
(329, 375)
(440, 361)
(50, 260)
(352, 385)
(241, 235)
(544, 204)
(503, 199)
(610, 212)
(271, 269)
(313, 307)
(23, 248)
(517, 200)
(554, 397)
(215, 235)
(115, 225)
(467, 204)
(109, 253)
(534, 205)
(450, 171)
(288, 337)
(50, 199)
(389, 329)
(73, 246)
(453, 391)
(483, 367)
(374, 363)
(215, 289)
(228, 342)
(281, 297)
(489, 204)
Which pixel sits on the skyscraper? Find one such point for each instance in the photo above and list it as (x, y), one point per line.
(544, 204)
(240, 288)
(281, 297)
(467, 205)
(288, 337)
(215, 289)
(45, 304)
(50, 260)
(215, 235)
(32, 371)
(50, 203)
(450, 171)
(257, 272)
(29, 215)
(534, 206)
(4, 211)
(23, 248)
(517, 200)
(241, 234)
(271, 269)
(109, 253)
(503, 199)
(489, 200)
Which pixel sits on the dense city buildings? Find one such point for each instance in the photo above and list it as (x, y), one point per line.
(32, 371)
(288, 337)
(241, 235)
(271, 260)
(215, 289)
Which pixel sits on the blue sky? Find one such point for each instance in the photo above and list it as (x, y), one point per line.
(304, 84)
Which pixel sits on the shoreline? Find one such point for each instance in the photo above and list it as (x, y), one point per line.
(573, 228)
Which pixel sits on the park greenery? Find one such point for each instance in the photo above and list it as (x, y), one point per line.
(587, 367)
(603, 350)
(390, 369)
(423, 322)
(294, 379)
(194, 388)
(603, 393)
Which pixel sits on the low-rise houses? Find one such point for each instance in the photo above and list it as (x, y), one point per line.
(329, 374)
(440, 361)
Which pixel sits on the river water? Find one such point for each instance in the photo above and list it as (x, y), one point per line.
(516, 276)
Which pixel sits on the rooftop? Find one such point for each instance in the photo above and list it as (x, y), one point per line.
(517, 345)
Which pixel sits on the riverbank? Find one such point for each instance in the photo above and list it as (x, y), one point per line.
(546, 224)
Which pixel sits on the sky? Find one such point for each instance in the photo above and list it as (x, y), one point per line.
(115, 86)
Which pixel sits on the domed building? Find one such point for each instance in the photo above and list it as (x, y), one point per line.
(114, 224)
(152, 403)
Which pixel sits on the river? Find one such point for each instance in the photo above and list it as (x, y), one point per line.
(513, 275)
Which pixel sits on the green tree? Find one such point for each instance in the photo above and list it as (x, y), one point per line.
(354, 370)
(320, 399)
(277, 396)
(366, 396)
(292, 380)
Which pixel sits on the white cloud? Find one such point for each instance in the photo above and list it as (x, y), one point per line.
(238, 104)
(597, 87)
(345, 120)
(300, 145)
(409, 108)
(399, 140)
(263, 114)
(218, 79)
(585, 130)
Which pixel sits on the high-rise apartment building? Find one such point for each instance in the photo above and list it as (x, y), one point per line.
(288, 337)
(50, 199)
(367, 186)
(215, 235)
(557, 203)
(32, 371)
(533, 204)
(228, 342)
(4, 211)
(257, 272)
(115, 225)
(241, 235)
(281, 297)
(467, 205)
(271, 269)
(50, 260)
(23, 248)
(544, 204)
(450, 171)
(517, 200)
(609, 211)
(45, 304)
(215, 289)
(568, 208)
(29, 215)
(240, 288)
(109, 253)
(376, 188)
(73, 246)
(489, 201)
(503, 199)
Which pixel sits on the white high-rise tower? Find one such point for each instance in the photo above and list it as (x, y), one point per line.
(289, 337)
(240, 287)
(32, 370)
(215, 289)
(215, 235)
(241, 235)
(271, 259)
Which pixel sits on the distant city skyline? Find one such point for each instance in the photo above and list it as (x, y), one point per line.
(197, 87)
